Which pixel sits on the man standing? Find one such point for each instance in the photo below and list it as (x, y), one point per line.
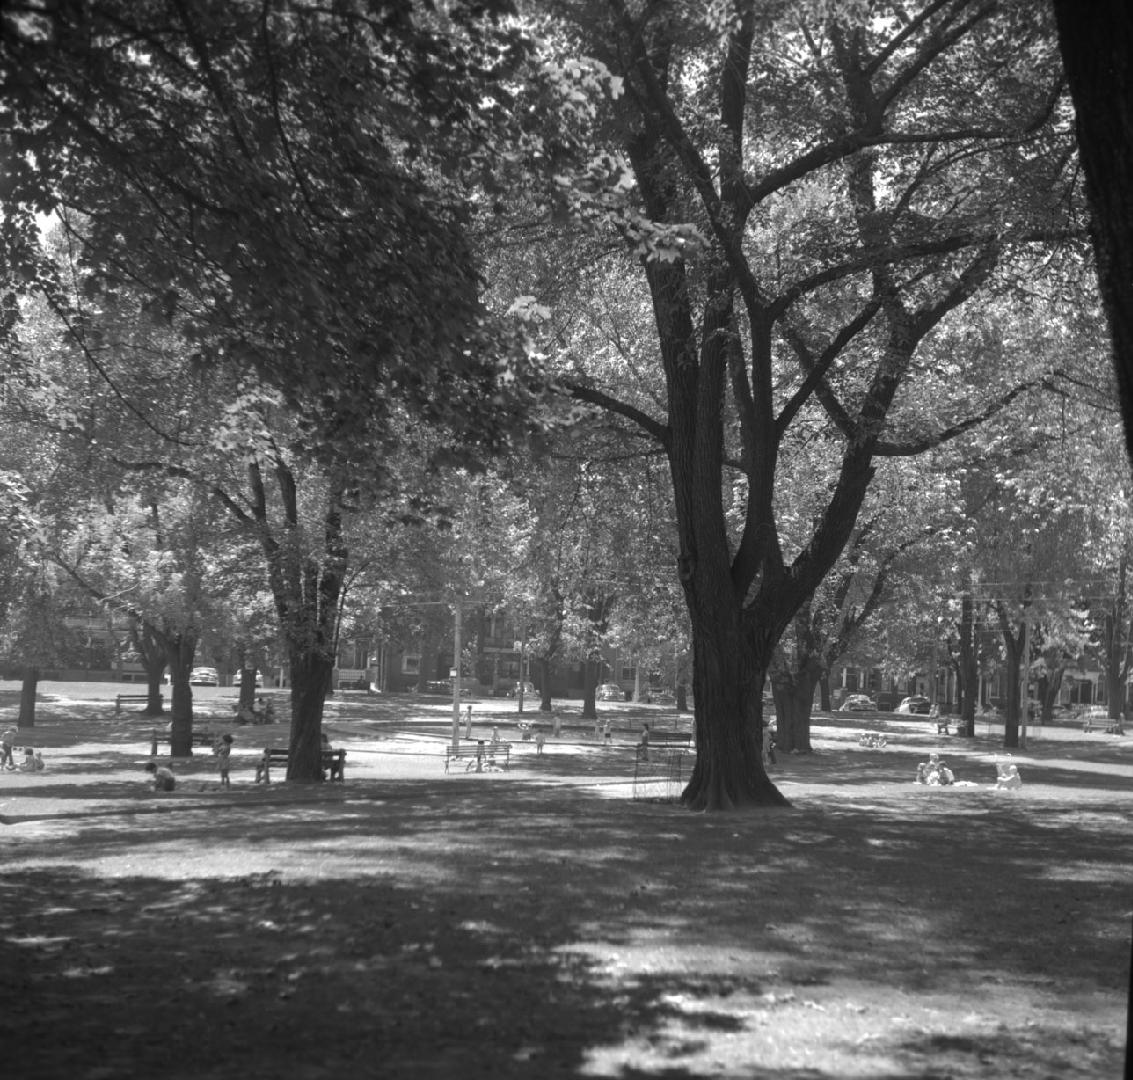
(7, 741)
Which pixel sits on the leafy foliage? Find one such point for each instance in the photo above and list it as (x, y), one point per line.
(290, 187)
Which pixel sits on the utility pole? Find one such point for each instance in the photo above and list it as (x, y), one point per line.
(522, 658)
(1024, 671)
(456, 651)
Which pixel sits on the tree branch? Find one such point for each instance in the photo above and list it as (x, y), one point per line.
(605, 401)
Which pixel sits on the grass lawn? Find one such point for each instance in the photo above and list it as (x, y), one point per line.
(542, 922)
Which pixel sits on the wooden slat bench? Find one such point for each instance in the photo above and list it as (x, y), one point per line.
(334, 762)
(200, 737)
(664, 740)
(480, 755)
(133, 699)
(1110, 727)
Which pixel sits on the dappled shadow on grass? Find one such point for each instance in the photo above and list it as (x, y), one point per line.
(251, 978)
(622, 857)
(499, 925)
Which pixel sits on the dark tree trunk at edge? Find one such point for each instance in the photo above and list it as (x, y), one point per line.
(1096, 40)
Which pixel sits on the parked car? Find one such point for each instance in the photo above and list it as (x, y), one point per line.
(529, 690)
(858, 703)
(610, 691)
(238, 678)
(204, 676)
(917, 703)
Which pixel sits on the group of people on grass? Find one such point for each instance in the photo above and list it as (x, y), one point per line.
(935, 772)
(33, 759)
(259, 712)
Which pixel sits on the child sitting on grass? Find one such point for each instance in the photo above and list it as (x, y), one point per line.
(163, 778)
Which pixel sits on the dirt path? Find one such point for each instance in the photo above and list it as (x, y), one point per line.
(543, 923)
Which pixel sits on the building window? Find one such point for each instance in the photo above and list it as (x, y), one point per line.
(629, 674)
(411, 664)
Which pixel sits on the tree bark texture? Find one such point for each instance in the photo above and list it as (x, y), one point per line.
(589, 688)
(306, 588)
(967, 669)
(153, 650)
(310, 679)
(247, 688)
(1013, 706)
(544, 665)
(181, 650)
(1096, 41)
(728, 676)
(793, 691)
(28, 687)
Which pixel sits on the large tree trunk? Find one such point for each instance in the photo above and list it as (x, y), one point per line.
(1096, 41)
(27, 697)
(967, 669)
(154, 651)
(793, 691)
(306, 591)
(728, 677)
(1114, 649)
(544, 665)
(1013, 712)
(310, 680)
(155, 704)
(247, 684)
(589, 687)
(182, 649)
(427, 672)
(1049, 686)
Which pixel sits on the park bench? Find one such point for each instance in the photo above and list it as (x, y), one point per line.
(334, 762)
(200, 737)
(479, 756)
(942, 723)
(133, 699)
(660, 740)
(1110, 727)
